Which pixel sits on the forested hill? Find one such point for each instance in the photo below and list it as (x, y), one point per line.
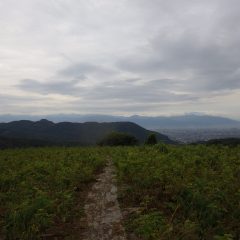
(88, 133)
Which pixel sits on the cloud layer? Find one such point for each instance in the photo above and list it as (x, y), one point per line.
(150, 57)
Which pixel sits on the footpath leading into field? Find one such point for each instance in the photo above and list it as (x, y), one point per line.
(102, 212)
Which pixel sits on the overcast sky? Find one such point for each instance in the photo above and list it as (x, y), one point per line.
(147, 57)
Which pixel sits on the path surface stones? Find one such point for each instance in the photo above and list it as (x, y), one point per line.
(103, 215)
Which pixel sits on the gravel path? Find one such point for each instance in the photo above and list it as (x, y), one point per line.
(103, 215)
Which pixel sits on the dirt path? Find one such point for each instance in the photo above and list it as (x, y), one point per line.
(103, 215)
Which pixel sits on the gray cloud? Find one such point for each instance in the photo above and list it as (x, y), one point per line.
(136, 91)
(12, 99)
(82, 69)
(63, 87)
(213, 66)
(125, 54)
(9, 103)
(154, 91)
(206, 49)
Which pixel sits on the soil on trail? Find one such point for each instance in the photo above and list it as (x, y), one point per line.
(102, 213)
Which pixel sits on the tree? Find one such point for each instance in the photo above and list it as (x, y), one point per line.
(118, 139)
(151, 140)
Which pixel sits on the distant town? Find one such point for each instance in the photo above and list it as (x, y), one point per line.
(204, 134)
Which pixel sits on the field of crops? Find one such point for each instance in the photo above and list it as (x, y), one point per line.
(185, 192)
(38, 187)
(173, 192)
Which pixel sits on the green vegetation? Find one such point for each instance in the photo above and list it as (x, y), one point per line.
(174, 192)
(184, 192)
(151, 140)
(39, 187)
(226, 141)
(118, 139)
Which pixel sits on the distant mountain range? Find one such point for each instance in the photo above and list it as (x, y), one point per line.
(161, 122)
(45, 132)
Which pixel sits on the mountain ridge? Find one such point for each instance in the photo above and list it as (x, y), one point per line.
(88, 133)
(179, 121)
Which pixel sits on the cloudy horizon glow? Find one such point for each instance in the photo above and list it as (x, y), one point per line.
(147, 57)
